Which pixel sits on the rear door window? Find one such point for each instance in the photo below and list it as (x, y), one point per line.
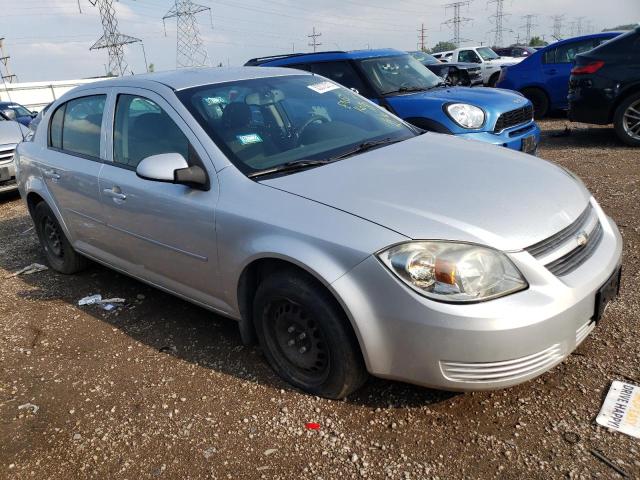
(567, 53)
(82, 125)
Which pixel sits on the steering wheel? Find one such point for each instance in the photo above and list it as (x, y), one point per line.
(313, 119)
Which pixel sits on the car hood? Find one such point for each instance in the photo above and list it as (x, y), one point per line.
(10, 132)
(441, 187)
(503, 61)
(499, 100)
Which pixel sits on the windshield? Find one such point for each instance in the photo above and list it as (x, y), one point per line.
(267, 122)
(487, 54)
(425, 58)
(397, 74)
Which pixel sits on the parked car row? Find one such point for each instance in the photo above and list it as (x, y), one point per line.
(462, 74)
(399, 83)
(346, 240)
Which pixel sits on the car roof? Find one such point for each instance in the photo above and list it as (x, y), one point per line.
(191, 77)
(293, 58)
(581, 37)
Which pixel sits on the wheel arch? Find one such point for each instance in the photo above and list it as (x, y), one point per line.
(259, 268)
(629, 90)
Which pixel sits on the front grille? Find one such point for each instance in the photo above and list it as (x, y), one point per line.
(507, 370)
(6, 153)
(565, 251)
(514, 117)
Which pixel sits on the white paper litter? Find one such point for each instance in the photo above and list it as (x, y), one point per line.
(621, 409)
(28, 270)
(98, 300)
(29, 406)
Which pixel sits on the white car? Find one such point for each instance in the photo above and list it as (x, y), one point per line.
(490, 62)
(11, 133)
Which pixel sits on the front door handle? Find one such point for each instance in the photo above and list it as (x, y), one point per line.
(52, 174)
(114, 193)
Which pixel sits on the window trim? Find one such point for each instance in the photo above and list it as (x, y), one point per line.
(71, 152)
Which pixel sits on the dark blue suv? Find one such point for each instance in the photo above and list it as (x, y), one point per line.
(543, 77)
(401, 84)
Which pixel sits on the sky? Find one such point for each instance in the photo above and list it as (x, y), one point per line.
(50, 39)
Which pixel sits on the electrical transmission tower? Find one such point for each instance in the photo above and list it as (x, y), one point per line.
(422, 37)
(314, 43)
(5, 72)
(528, 26)
(112, 39)
(498, 17)
(190, 51)
(457, 20)
(579, 26)
(557, 26)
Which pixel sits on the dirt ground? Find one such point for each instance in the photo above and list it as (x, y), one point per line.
(162, 389)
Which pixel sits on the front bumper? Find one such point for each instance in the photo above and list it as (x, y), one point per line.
(483, 346)
(513, 138)
(8, 176)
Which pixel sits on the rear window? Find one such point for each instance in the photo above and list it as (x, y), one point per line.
(626, 44)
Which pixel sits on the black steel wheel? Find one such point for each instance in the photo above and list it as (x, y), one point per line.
(60, 254)
(305, 335)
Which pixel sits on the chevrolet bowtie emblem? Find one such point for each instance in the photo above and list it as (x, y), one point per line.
(582, 238)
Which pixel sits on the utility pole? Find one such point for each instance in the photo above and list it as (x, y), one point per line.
(314, 43)
(190, 50)
(528, 26)
(457, 20)
(498, 17)
(557, 26)
(112, 39)
(5, 72)
(422, 37)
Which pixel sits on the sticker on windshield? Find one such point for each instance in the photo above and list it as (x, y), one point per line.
(214, 100)
(249, 138)
(323, 87)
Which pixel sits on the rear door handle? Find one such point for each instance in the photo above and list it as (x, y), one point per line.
(114, 193)
(52, 174)
(553, 71)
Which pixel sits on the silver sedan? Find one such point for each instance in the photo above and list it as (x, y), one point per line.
(344, 240)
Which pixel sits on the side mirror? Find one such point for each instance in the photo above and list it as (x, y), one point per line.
(10, 114)
(172, 168)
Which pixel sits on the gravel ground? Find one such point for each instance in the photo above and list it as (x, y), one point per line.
(162, 389)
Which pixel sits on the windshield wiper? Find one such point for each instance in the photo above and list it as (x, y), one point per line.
(406, 90)
(364, 146)
(304, 164)
(289, 167)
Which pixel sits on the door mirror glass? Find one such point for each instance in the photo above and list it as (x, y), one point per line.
(10, 114)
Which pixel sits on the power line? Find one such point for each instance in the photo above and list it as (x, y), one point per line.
(6, 71)
(422, 37)
(528, 26)
(314, 43)
(112, 39)
(557, 26)
(498, 17)
(456, 21)
(190, 50)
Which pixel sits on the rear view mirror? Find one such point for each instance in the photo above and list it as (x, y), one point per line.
(172, 168)
(10, 114)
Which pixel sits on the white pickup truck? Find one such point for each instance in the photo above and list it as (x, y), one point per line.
(490, 62)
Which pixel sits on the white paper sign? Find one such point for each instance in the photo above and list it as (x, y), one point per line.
(323, 87)
(621, 409)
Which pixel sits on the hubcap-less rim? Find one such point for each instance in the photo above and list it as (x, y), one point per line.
(631, 120)
(299, 340)
(52, 237)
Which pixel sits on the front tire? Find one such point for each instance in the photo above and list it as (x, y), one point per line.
(626, 120)
(60, 254)
(306, 337)
(539, 100)
(493, 80)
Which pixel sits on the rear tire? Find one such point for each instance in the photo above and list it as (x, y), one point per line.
(626, 120)
(306, 337)
(60, 254)
(540, 101)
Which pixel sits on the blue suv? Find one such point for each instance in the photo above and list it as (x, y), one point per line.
(543, 77)
(398, 82)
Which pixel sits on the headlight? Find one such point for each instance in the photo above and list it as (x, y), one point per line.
(465, 115)
(453, 272)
